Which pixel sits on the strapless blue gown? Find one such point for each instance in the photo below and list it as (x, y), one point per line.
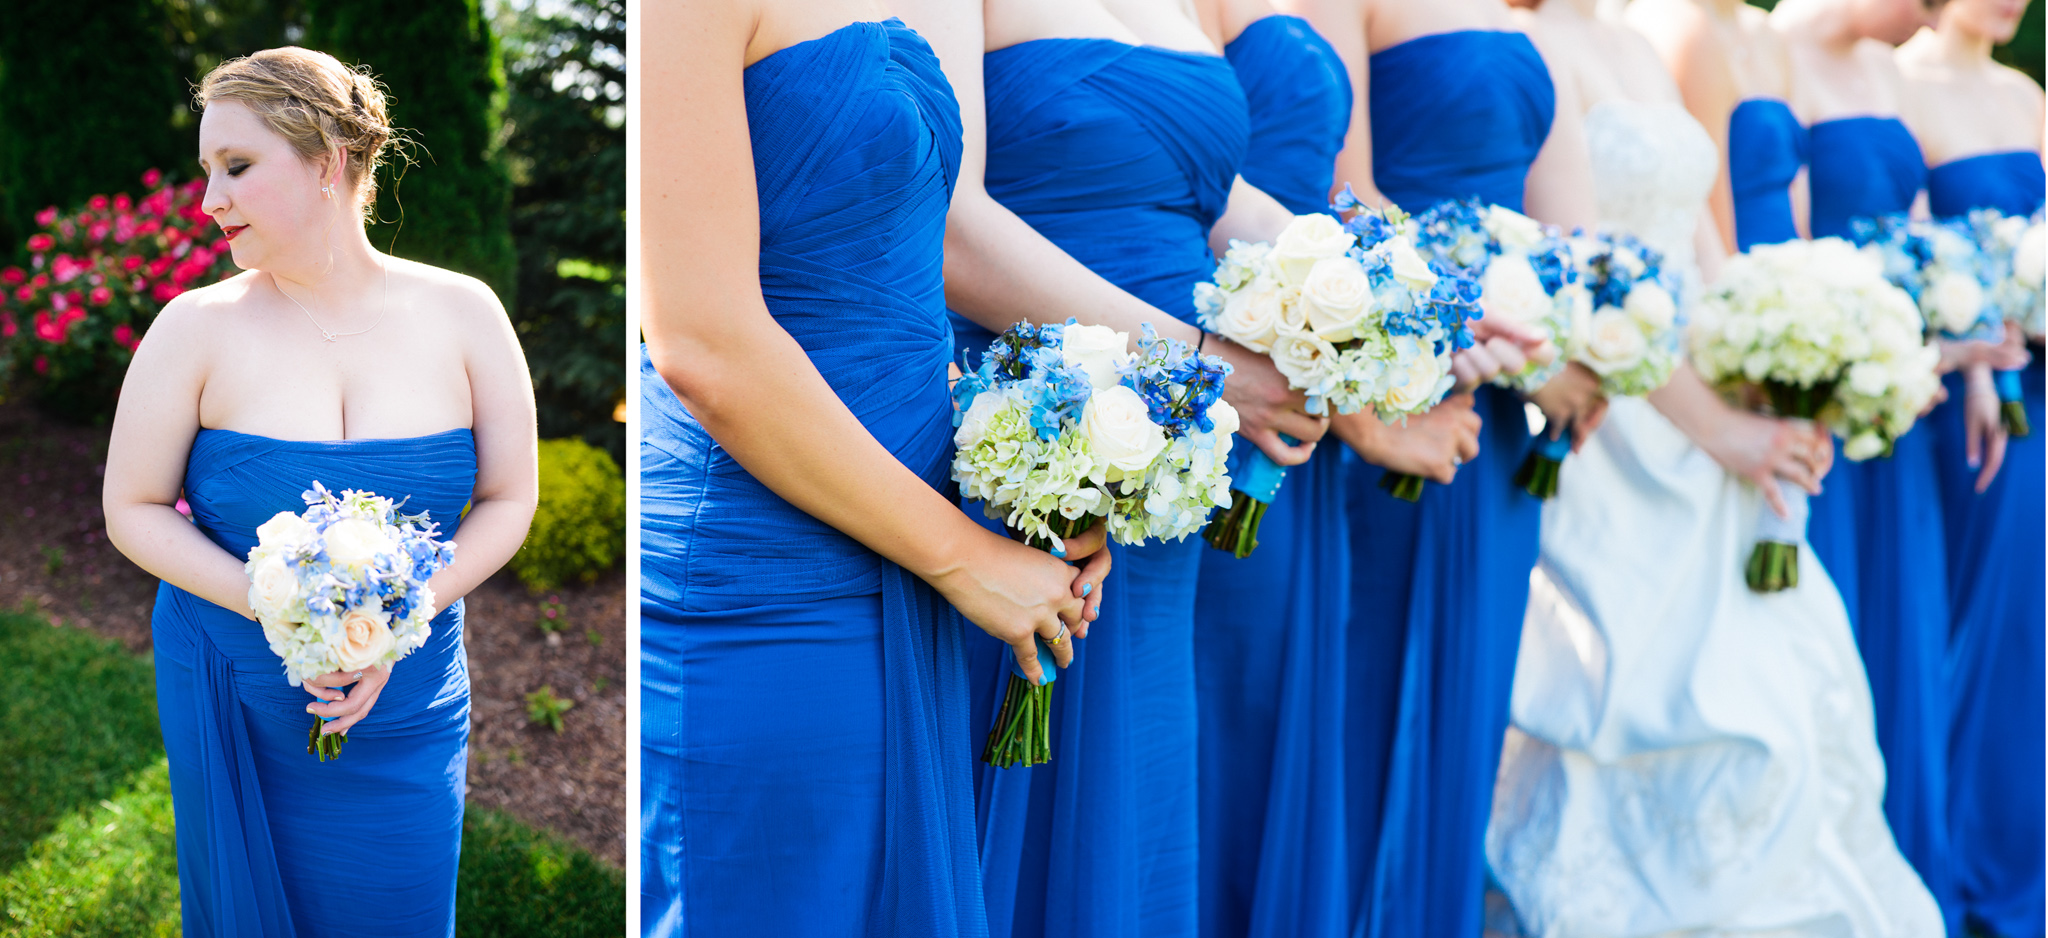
(1269, 657)
(1123, 156)
(1439, 587)
(804, 737)
(1995, 558)
(1767, 147)
(1883, 517)
(256, 816)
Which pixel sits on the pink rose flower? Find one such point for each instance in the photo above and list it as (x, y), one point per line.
(97, 203)
(123, 336)
(100, 296)
(39, 243)
(151, 177)
(12, 276)
(42, 365)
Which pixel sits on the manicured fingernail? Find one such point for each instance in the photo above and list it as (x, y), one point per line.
(1060, 552)
(309, 708)
(1087, 588)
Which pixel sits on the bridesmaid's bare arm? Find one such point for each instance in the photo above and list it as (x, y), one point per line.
(507, 462)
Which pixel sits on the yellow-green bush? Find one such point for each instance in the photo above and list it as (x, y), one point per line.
(579, 530)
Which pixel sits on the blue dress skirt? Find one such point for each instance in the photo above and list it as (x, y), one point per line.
(1269, 649)
(1883, 517)
(1123, 156)
(1439, 587)
(1995, 563)
(805, 765)
(256, 815)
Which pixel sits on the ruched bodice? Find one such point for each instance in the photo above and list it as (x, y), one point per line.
(1443, 128)
(1122, 155)
(235, 482)
(856, 141)
(1767, 147)
(1300, 100)
(2010, 182)
(1862, 167)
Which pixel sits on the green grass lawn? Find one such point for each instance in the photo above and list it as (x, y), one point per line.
(86, 843)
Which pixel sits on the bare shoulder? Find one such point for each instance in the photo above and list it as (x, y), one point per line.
(192, 320)
(2019, 87)
(459, 300)
(1671, 24)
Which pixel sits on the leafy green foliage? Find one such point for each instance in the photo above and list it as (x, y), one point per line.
(567, 152)
(579, 528)
(519, 881)
(543, 708)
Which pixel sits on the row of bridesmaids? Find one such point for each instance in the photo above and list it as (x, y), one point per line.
(840, 199)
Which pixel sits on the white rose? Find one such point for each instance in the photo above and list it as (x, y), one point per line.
(1409, 267)
(365, 638)
(1578, 316)
(1120, 430)
(284, 529)
(1099, 350)
(1513, 229)
(2030, 257)
(272, 588)
(1293, 316)
(1334, 297)
(1304, 359)
(1613, 342)
(1953, 301)
(1415, 385)
(1863, 446)
(352, 542)
(974, 423)
(1251, 315)
(1652, 306)
(1306, 240)
(1511, 290)
(1225, 420)
(1870, 378)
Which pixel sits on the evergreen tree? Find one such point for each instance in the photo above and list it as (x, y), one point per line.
(89, 100)
(447, 87)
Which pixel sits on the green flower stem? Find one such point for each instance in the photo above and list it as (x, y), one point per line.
(1538, 475)
(1236, 531)
(1773, 566)
(2014, 416)
(1403, 486)
(326, 746)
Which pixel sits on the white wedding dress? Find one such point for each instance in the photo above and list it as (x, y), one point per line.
(1686, 757)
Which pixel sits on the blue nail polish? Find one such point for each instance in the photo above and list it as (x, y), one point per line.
(1087, 588)
(1060, 552)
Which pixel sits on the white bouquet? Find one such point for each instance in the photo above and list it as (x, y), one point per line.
(1525, 270)
(2014, 254)
(1062, 426)
(342, 586)
(1815, 327)
(1352, 314)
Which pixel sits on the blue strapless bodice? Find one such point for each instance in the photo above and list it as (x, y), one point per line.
(1121, 155)
(1767, 146)
(1863, 167)
(1444, 128)
(235, 481)
(856, 141)
(1300, 100)
(2012, 183)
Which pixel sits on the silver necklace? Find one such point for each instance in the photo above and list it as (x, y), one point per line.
(327, 336)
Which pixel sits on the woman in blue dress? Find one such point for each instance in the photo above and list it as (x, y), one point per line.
(805, 742)
(1980, 125)
(324, 361)
(1439, 587)
(1863, 162)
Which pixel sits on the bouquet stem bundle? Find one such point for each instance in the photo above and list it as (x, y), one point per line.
(1539, 472)
(2012, 406)
(326, 747)
(1022, 734)
(1236, 530)
(1774, 564)
(1403, 486)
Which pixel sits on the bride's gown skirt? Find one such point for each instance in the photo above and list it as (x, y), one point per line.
(1438, 587)
(1123, 156)
(1269, 661)
(1868, 166)
(1687, 756)
(259, 821)
(804, 737)
(1995, 591)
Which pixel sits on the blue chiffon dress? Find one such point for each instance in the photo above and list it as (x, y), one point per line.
(1995, 561)
(1123, 156)
(1767, 147)
(804, 737)
(256, 815)
(1439, 587)
(1863, 167)
(1269, 653)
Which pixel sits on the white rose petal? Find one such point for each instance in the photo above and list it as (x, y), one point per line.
(1614, 342)
(1306, 240)
(1099, 350)
(1304, 359)
(1953, 301)
(272, 587)
(1409, 267)
(284, 529)
(365, 638)
(974, 423)
(1863, 446)
(1335, 297)
(1513, 229)
(1652, 306)
(2030, 257)
(1120, 430)
(1251, 316)
(352, 542)
(1511, 290)
(1415, 385)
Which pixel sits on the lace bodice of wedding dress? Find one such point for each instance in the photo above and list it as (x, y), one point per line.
(1685, 756)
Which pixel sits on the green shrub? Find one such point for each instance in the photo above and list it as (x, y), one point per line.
(579, 530)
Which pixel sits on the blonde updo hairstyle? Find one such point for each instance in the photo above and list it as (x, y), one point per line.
(316, 103)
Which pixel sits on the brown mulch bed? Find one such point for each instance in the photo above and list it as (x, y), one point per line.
(54, 557)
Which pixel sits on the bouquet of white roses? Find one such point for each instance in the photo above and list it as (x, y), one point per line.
(1062, 426)
(2012, 252)
(342, 586)
(1818, 330)
(1525, 271)
(1351, 314)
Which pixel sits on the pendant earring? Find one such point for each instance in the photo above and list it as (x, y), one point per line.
(327, 191)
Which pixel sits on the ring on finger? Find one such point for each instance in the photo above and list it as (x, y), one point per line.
(1058, 640)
